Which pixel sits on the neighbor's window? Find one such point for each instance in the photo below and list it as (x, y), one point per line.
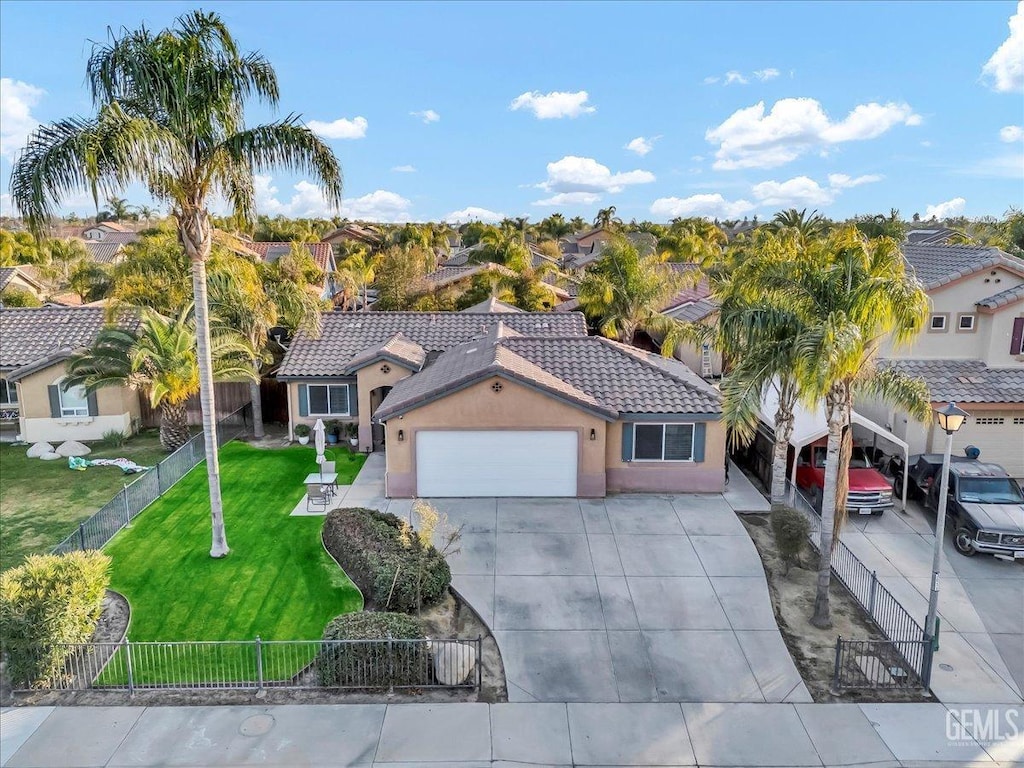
(328, 400)
(938, 322)
(663, 442)
(8, 392)
(966, 322)
(73, 402)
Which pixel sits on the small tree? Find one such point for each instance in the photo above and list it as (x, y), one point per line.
(790, 529)
(419, 540)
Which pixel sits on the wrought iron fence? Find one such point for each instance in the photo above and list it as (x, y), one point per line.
(905, 636)
(880, 664)
(386, 664)
(148, 487)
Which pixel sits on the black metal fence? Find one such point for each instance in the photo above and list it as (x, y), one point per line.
(386, 664)
(148, 487)
(905, 636)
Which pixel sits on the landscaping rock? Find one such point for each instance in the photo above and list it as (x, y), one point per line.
(73, 448)
(51, 456)
(454, 662)
(38, 449)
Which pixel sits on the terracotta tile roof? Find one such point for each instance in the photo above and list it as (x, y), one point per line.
(109, 225)
(965, 381)
(398, 348)
(346, 334)
(354, 232)
(270, 252)
(493, 306)
(103, 251)
(937, 265)
(28, 334)
(1001, 299)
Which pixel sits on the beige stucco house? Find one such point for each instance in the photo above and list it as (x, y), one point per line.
(508, 404)
(34, 347)
(970, 351)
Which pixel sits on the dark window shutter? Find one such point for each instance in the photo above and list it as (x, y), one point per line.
(54, 393)
(699, 433)
(303, 400)
(1017, 340)
(94, 406)
(353, 399)
(627, 442)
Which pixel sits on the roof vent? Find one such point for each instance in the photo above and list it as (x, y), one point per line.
(471, 350)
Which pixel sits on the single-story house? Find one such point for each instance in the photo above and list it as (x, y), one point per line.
(322, 254)
(104, 251)
(21, 278)
(34, 347)
(354, 233)
(110, 232)
(508, 404)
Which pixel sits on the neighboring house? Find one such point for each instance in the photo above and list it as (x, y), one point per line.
(321, 252)
(934, 235)
(970, 351)
(695, 305)
(104, 252)
(492, 306)
(354, 233)
(21, 279)
(110, 232)
(459, 278)
(34, 347)
(732, 231)
(509, 404)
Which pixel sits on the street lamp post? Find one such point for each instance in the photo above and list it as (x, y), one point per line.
(950, 420)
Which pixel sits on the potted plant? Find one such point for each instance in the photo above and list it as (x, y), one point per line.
(302, 433)
(352, 429)
(331, 426)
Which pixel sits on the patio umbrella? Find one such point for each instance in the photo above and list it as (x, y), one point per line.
(320, 441)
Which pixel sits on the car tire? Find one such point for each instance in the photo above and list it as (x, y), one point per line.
(962, 541)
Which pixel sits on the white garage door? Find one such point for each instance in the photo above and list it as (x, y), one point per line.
(496, 463)
(999, 435)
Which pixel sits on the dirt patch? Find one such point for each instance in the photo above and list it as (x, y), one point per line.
(114, 619)
(813, 650)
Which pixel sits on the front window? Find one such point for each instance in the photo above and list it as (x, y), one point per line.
(8, 392)
(328, 400)
(990, 490)
(966, 322)
(938, 322)
(73, 402)
(663, 442)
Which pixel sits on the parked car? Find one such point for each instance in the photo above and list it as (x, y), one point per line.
(869, 492)
(924, 470)
(984, 507)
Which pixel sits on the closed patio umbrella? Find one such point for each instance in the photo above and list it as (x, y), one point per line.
(320, 441)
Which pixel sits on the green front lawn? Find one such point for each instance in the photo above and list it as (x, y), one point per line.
(278, 582)
(42, 502)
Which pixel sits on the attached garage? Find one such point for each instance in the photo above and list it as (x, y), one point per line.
(998, 434)
(471, 463)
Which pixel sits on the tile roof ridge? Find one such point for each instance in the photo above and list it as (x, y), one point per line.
(644, 356)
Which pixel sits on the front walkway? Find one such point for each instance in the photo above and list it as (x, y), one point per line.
(511, 734)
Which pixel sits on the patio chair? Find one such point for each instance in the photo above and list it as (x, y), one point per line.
(328, 467)
(317, 496)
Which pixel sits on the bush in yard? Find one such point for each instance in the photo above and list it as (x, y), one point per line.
(394, 570)
(790, 529)
(373, 664)
(47, 601)
(114, 438)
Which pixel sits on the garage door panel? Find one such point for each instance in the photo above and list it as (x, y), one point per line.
(496, 463)
(999, 435)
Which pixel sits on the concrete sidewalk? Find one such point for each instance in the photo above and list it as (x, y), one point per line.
(512, 734)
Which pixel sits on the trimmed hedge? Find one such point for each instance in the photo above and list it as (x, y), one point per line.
(48, 601)
(379, 663)
(367, 545)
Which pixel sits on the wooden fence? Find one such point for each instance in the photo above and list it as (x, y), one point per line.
(229, 396)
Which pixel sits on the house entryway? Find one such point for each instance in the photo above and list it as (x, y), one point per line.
(377, 430)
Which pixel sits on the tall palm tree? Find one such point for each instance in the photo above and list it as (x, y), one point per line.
(170, 113)
(606, 218)
(160, 360)
(692, 240)
(578, 224)
(361, 266)
(807, 227)
(118, 207)
(555, 227)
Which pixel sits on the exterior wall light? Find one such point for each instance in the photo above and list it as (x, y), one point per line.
(401, 435)
(593, 434)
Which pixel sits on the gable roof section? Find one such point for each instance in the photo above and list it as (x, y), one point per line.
(398, 348)
(271, 252)
(1003, 298)
(935, 235)
(965, 381)
(493, 306)
(937, 265)
(353, 231)
(7, 274)
(31, 334)
(347, 334)
(448, 275)
(103, 251)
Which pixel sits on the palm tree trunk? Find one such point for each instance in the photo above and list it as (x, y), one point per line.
(843, 480)
(783, 434)
(256, 398)
(173, 426)
(833, 414)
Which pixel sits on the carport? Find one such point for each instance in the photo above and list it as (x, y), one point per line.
(809, 425)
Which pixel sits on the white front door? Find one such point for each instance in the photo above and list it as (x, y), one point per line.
(496, 463)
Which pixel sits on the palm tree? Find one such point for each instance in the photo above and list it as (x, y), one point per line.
(361, 267)
(624, 292)
(807, 227)
(170, 110)
(65, 255)
(146, 212)
(118, 208)
(555, 227)
(578, 224)
(159, 359)
(693, 240)
(606, 218)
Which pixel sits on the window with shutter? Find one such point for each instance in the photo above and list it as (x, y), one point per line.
(663, 442)
(1017, 338)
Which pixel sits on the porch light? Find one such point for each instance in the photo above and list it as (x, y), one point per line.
(951, 418)
(593, 434)
(401, 435)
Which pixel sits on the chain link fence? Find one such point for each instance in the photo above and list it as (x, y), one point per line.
(148, 487)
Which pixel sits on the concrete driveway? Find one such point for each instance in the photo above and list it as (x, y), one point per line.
(633, 598)
(981, 603)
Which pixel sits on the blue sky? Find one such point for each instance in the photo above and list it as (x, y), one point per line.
(485, 109)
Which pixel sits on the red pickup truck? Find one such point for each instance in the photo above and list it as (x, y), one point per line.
(869, 494)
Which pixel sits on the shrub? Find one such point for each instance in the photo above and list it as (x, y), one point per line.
(114, 438)
(301, 430)
(376, 664)
(790, 529)
(392, 575)
(47, 601)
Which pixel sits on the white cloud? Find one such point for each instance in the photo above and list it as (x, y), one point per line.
(584, 174)
(842, 181)
(427, 115)
(946, 209)
(308, 201)
(16, 121)
(734, 78)
(1005, 69)
(569, 198)
(714, 206)
(341, 128)
(641, 145)
(380, 205)
(404, 169)
(711, 79)
(796, 192)
(769, 73)
(750, 138)
(1011, 134)
(548, 106)
(473, 213)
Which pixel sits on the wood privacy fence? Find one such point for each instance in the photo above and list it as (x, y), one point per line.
(230, 396)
